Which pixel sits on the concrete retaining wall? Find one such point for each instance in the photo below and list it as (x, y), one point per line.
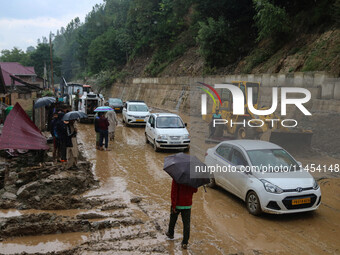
(173, 93)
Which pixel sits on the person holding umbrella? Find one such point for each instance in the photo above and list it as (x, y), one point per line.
(103, 126)
(181, 202)
(181, 167)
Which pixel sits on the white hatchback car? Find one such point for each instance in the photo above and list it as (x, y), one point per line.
(167, 131)
(264, 175)
(135, 113)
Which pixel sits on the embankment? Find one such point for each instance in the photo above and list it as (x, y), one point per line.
(181, 94)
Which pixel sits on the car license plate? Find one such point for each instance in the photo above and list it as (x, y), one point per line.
(173, 142)
(301, 201)
(117, 108)
(139, 120)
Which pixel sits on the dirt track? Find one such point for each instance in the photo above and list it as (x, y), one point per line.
(220, 222)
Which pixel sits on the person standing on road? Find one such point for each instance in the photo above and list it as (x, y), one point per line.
(96, 129)
(53, 131)
(181, 201)
(62, 136)
(112, 118)
(72, 148)
(76, 100)
(212, 129)
(103, 126)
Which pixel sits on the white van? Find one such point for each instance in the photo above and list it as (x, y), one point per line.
(167, 131)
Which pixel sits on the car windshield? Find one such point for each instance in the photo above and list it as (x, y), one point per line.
(138, 108)
(115, 101)
(169, 122)
(276, 160)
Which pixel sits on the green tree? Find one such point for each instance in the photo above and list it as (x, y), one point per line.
(271, 21)
(218, 42)
(15, 55)
(105, 53)
(42, 55)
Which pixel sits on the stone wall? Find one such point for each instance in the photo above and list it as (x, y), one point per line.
(173, 93)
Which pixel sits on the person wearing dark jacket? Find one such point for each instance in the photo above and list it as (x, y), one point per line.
(57, 127)
(62, 134)
(53, 133)
(181, 202)
(103, 126)
(96, 129)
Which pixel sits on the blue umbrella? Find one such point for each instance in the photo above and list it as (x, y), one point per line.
(44, 101)
(103, 109)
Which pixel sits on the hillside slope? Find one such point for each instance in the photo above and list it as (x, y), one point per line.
(306, 52)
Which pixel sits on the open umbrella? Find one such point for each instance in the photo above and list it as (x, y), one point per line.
(186, 169)
(103, 109)
(44, 101)
(74, 115)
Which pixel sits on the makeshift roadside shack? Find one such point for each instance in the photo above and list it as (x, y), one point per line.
(19, 132)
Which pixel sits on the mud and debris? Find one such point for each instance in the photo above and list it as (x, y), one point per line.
(118, 202)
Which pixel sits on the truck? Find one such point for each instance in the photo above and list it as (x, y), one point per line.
(276, 133)
(88, 102)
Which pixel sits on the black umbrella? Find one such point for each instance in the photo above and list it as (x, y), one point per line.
(186, 169)
(74, 115)
(44, 101)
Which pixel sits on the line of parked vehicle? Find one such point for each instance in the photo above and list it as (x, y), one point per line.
(278, 185)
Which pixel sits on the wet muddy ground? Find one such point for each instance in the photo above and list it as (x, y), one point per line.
(220, 223)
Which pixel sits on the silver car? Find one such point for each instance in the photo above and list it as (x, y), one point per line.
(264, 175)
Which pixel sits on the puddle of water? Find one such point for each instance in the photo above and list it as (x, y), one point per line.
(43, 244)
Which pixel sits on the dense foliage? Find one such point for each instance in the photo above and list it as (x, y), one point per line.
(118, 31)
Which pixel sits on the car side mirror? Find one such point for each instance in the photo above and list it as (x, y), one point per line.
(152, 125)
(185, 124)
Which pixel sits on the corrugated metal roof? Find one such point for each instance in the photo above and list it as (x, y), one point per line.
(15, 68)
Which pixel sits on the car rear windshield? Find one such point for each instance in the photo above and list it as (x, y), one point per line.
(169, 122)
(277, 160)
(115, 101)
(138, 108)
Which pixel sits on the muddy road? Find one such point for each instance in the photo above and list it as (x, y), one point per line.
(220, 223)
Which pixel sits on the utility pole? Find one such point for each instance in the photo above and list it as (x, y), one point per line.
(52, 82)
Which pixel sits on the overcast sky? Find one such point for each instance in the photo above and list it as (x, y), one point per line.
(22, 22)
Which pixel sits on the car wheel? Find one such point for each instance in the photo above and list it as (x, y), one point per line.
(253, 203)
(212, 183)
(146, 139)
(156, 149)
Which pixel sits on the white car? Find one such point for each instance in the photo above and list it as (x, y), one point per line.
(263, 175)
(135, 113)
(167, 131)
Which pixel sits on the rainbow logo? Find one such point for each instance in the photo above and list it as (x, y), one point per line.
(209, 93)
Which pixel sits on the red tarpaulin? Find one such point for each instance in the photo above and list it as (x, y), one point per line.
(19, 132)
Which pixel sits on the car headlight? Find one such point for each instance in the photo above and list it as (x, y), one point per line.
(130, 115)
(269, 187)
(186, 137)
(315, 185)
(162, 137)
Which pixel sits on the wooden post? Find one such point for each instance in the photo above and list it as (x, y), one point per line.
(33, 112)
